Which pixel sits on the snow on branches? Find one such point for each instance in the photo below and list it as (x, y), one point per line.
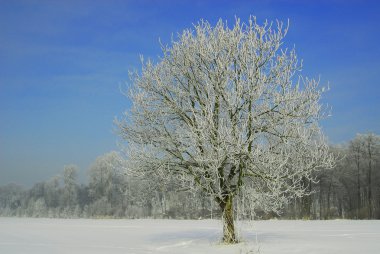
(226, 111)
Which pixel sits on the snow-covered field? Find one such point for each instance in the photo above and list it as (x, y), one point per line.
(19, 235)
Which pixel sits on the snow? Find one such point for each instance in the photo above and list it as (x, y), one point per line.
(26, 235)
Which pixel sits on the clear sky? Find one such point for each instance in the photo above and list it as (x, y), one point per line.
(62, 63)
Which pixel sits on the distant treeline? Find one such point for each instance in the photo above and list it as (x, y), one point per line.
(351, 190)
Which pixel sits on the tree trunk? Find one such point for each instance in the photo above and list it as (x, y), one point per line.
(226, 206)
(358, 189)
(327, 215)
(306, 202)
(370, 215)
(320, 200)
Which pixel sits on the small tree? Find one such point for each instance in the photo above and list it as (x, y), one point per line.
(106, 180)
(70, 190)
(223, 111)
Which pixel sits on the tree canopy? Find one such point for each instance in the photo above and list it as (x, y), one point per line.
(225, 111)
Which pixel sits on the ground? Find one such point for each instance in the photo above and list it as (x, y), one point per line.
(42, 236)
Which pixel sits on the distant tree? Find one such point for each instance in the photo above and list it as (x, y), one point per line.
(52, 192)
(356, 149)
(106, 180)
(225, 112)
(10, 198)
(70, 188)
(370, 148)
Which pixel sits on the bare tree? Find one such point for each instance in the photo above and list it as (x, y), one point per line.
(356, 148)
(370, 146)
(223, 111)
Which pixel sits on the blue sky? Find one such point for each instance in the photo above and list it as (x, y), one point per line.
(62, 63)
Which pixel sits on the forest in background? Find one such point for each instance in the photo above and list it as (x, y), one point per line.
(351, 190)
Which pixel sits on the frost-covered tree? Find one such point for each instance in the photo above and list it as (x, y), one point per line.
(106, 180)
(52, 192)
(70, 189)
(225, 111)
